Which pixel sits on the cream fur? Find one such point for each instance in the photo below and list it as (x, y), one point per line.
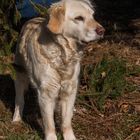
(50, 53)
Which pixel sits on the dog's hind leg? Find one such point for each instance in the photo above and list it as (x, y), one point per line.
(21, 85)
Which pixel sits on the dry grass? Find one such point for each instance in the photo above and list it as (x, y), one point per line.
(120, 119)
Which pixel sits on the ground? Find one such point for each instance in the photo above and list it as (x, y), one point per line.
(114, 119)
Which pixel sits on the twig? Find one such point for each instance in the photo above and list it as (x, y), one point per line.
(84, 103)
(3, 137)
(129, 136)
(108, 119)
(95, 108)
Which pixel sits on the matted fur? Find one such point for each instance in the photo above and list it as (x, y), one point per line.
(50, 51)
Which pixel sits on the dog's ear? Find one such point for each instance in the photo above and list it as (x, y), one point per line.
(56, 19)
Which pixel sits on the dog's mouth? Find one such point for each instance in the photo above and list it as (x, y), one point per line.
(85, 43)
(82, 42)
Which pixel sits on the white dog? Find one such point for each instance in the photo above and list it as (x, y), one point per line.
(49, 53)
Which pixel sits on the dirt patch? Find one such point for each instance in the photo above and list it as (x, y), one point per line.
(120, 119)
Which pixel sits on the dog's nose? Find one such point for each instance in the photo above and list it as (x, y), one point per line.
(100, 30)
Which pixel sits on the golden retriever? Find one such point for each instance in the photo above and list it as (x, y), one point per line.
(49, 53)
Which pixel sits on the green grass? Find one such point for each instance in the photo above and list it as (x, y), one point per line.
(107, 79)
(33, 136)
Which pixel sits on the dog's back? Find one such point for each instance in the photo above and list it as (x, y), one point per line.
(29, 31)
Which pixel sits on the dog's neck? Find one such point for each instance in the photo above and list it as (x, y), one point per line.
(70, 48)
(70, 44)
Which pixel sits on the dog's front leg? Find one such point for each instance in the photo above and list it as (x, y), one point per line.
(47, 104)
(67, 104)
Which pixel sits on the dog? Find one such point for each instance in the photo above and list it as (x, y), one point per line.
(48, 54)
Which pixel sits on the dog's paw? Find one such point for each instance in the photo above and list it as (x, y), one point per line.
(69, 135)
(16, 118)
(51, 137)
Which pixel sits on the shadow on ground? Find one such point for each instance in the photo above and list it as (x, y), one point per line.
(31, 109)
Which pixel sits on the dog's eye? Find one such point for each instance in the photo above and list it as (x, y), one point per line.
(79, 18)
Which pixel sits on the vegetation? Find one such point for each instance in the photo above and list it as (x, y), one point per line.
(107, 79)
(9, 16)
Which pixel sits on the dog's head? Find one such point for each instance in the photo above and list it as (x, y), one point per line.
(75, 19)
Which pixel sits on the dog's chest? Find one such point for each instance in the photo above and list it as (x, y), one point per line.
(64, 61)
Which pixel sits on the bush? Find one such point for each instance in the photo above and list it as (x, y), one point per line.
(9, 17)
